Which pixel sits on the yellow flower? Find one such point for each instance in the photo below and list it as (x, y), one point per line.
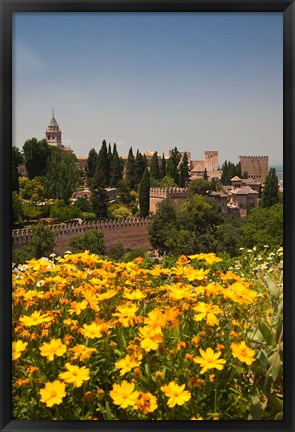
(155, 320)
(17, 348)
(81, 352)
(242, 352)
(146, 403)
(180, 292)
(209, 258)
(134, 295)
(52, 393)
(53, 348)
(126, 314)
(78, 307)
(207, 311)
(124, 395)
(209, 360)
(93, 330)
(150, 338)
(126, 364)
(35, 319)
(75, 375)
(239, 293)
(176, 394)
(92, 300)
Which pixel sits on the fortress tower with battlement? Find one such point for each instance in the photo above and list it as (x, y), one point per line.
(255, 166)
(159, 194)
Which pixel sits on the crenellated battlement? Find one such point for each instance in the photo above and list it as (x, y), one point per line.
(253, 157)
(22, 237)
(171, 192)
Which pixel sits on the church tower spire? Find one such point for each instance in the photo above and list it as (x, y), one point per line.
(53, 132)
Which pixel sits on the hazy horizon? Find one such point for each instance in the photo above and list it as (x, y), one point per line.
(152, 81)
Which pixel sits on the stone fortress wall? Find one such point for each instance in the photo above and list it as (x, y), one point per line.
(132, 233)
(255, 166)
(159, 194)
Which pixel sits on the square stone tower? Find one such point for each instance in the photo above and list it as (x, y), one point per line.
(255, 166)
(211, 160)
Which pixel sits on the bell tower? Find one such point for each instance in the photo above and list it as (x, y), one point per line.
(53, 133)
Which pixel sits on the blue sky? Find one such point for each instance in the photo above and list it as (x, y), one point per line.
(153, 81)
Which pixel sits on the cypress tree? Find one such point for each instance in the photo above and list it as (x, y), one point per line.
(139, 167)
(162, 168)
(103, 163)
(91, 163)
(270, 194)
(144, 194)
(130, 169)
(205, 175)
(184, 171)
(172, 165)
(116, 174)
(154, 171)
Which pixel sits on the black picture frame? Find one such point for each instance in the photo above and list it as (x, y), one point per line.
(8, 8)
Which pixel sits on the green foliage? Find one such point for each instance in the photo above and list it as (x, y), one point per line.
(42, 243)
(103, 166)
(92, 240)
(116, 251)
(17, 209)
(88, 216)
(33, 189)
(162, 167)
(98, 202)
(199, 186)
(139, 167)
(82, 204)
(116, 169)
(36, 155)
(144, 194)
(62, 175)
(172, 165)
(16, 160)
(118, 211)
(168, 181)
(62, 212)
(31, 211)
(187, 228)
(205, 175)
(130, 169)
(264, 226)
(270, 194)
(91, 163)
(230, 170)
(184, 171)
(154, 171)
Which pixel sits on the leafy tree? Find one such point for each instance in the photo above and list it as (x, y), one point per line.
(17, 209)
(229, 170)
(98, 202)
(270, 194)
(42, 243)
(36, 155)
(116, 172)
(172, 165)
(82, 204)
(144, 194)
(130, 169)
(213, 185)
(184, 171)
(162, 224)
(63, 212)
(92, 240)
(154, 171)
(62, 175)
(168, 181)
(91, 163)
(124, 193)
(34, 189)
(118, 211)
(263, 226)
(199, 186)
(16, 160)
(103, 164)
(139, 167)
(162, 167)
(31, 211)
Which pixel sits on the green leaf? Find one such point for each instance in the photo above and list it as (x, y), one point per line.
(263, 360)
(276, 368)
(274, 289)
(266, 332)
(279, 416)
(256, 409)
(109, 414)
(275, 403)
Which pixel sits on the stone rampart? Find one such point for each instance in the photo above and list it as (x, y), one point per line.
(159, 194)
(132, 233)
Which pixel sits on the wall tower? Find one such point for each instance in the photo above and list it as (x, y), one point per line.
(53, 133)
